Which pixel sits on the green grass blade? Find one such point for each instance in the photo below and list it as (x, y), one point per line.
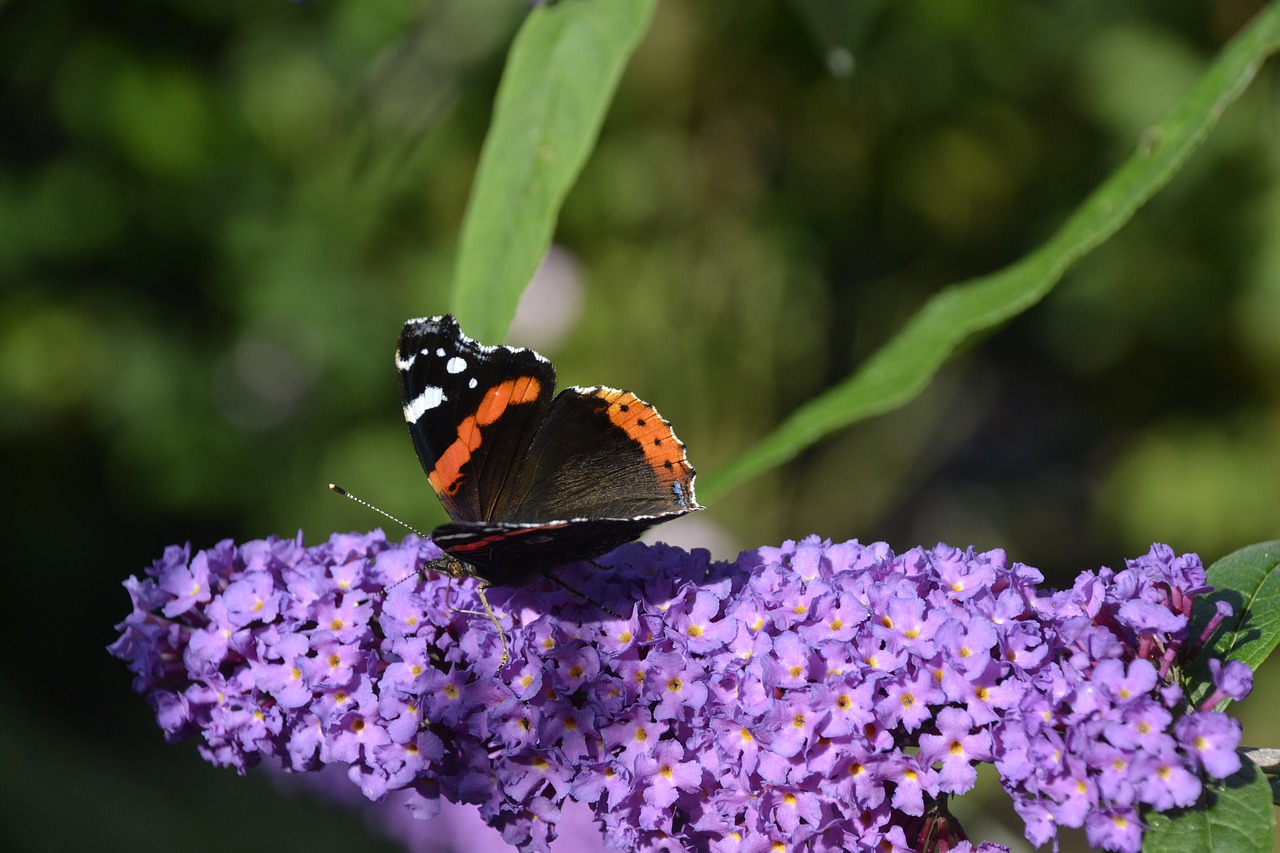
(899, 371)
(558, 82)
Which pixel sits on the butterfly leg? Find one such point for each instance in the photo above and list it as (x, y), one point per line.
(488, 611)
(585, 597)
(502, 637)
(452, 568)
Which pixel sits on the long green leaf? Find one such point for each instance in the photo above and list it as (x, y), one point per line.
(559, 79)
(899, 371)
(1234, 817)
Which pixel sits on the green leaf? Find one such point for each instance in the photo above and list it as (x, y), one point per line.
(899, 371)
(1235, 816)
(1247, 579)
(557, 84)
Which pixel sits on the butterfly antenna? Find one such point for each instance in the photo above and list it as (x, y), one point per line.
(381, 512)
(488, 611)
(384, 513)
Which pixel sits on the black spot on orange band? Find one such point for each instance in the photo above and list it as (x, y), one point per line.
(662, 450)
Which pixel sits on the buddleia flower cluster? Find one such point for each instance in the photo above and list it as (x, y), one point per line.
(813, 696)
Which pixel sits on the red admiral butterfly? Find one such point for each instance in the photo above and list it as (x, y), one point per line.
(531, 482)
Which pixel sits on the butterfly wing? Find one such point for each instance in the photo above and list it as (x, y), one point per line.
(602, 453)
(603, 467)
(472, 411)
(508, 554)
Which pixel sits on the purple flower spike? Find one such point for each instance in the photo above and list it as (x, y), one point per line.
(813, 696)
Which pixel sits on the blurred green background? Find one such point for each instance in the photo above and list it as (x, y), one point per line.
(214, 217)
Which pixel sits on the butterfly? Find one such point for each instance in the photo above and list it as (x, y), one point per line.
(531, 479)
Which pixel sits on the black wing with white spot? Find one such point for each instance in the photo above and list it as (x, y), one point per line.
(472, 412)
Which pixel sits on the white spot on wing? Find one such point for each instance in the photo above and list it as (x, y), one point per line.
(472, 383)
(406, 363)
(439, 352)
(456, 365)
(430, 397)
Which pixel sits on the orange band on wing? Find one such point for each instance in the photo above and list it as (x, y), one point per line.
(446, 475)
(662, 450)
(447, 472)
(513, 392)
